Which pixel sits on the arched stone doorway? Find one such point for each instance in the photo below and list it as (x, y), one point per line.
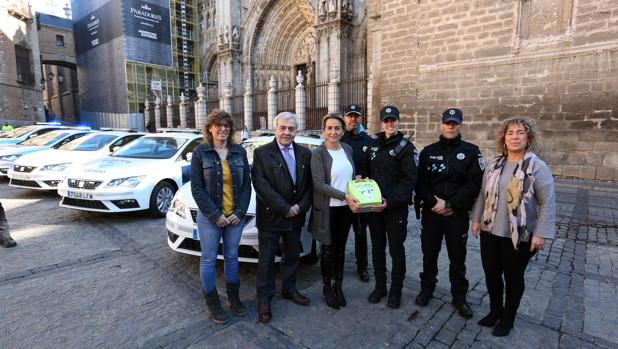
(282, 40)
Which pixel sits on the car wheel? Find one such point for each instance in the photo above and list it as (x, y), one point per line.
(161, 199)
(314, 255)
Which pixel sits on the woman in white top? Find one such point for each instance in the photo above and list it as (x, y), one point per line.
(332, 167)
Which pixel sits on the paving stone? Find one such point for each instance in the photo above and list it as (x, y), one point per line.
(146, 296)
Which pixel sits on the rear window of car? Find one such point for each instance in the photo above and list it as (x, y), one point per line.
(151, 148)
(45, 139)
(91, 142)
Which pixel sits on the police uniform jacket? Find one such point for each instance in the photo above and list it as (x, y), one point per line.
(275, 193)
(395, 170)
(452, 170)
(360, 143)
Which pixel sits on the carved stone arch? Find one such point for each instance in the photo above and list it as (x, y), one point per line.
(275, 29)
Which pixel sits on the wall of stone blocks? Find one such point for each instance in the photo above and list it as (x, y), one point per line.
(20, 103)
(471, 55)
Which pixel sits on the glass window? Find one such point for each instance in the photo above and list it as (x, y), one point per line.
(24, 70)
(151, 148)
(48, 138)
(91, 142)
(59, 40)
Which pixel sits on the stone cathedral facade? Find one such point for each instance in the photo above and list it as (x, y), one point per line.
(553, 60)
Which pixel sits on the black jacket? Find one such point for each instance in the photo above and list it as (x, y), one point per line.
(274, 189)
(395, 172)
(207, 180)
(451, 170)
(360, 143)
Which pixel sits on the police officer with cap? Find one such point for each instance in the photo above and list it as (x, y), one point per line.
(393, 162)
(449, 180)
(360, 142)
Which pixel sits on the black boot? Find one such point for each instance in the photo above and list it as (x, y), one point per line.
(329, 296)
(217, 314)
(503, 327)
(394, 297)
(7, 241)
(495, 312)
(378, 293)
(233, 298)
(339, 292)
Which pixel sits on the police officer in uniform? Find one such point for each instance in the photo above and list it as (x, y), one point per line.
(449, 180)
(393, 164)
(360, 142)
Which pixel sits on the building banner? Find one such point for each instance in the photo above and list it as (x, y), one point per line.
(97, 27)
(147, 32)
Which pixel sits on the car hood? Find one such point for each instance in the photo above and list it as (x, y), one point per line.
(109, 167)
(184, 195)
(56, 156)
(20, 149)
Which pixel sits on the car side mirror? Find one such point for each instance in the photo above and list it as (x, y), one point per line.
(116, 148)
(189, 156)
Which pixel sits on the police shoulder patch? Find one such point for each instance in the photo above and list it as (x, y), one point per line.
(482, 164)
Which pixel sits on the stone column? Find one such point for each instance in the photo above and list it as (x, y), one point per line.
(182, 110)
(201, 112)
(272, 101)
(169, 111)
(157, 113)
(249, 105)
(227, 96)
(146, 114)
(372, 124)
(301, 102)
(333, 91)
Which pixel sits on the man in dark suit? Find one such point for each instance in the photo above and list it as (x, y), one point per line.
(281, 175)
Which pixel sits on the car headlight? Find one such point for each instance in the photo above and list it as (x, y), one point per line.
(179, 208)
(130, 182)
(10, 158)
(56, 167)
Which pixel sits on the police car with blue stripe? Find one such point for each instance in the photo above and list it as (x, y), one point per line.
(144, 175)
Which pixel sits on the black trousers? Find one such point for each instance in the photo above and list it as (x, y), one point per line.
(333, 255)
(359, 224)
(4, 225)
(454, 229)
(501, 259)
(390, 225)
(290, 250)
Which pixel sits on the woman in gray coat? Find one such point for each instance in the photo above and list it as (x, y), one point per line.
(332, 167)
(514, 214)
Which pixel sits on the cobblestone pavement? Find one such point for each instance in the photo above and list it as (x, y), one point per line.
(83, 280)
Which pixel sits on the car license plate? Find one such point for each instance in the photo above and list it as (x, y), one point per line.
(20, 177)
(79, 195)
(194, 234)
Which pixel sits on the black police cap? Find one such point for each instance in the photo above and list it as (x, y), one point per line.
(353, 109)
(389, 112)
(452, 115)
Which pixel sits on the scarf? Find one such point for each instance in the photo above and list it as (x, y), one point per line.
(520, 190)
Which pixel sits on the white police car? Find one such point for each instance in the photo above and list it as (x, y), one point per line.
(181, 221)
(22, 133)
(52, 139)
(45, 169)
(144, 175)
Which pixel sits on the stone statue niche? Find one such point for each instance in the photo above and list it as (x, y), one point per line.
(235, 37)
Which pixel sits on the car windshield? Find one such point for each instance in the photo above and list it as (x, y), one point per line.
(48, 138)
(152, 148)
(251, 145)
(89, 142)
(18, 132)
